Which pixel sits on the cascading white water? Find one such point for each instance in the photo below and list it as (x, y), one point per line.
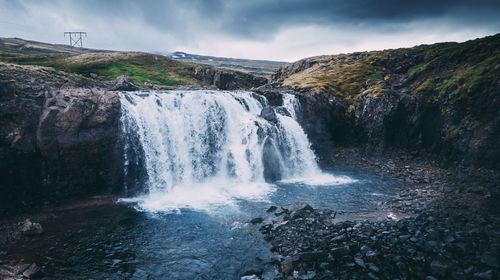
(201, 148)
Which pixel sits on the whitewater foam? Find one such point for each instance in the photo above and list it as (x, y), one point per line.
(203, 149)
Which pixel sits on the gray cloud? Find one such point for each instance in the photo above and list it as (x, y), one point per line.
(248, 27)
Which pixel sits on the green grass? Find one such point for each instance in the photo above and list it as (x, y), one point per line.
(139, 74)
(376, 77)
(141, 70)
(417, 69)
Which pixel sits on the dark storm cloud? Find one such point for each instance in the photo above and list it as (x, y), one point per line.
(272, 29)
(262, 17)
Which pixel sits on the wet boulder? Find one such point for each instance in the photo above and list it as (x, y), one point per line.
(283, 111)
(269, 114)
(271, 161)
(30, 228)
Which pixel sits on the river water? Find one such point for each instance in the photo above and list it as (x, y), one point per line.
(199, 165)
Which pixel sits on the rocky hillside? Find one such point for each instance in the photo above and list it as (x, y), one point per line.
(144, 69)
(442, 98)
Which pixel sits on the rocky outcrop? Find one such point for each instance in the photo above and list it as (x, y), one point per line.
(123, 83)
(440, 99)
(58, 137)
(227, 80)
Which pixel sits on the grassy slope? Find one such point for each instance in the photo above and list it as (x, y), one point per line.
(455, 69)
(142, 68)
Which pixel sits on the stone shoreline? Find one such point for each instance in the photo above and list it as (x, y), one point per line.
(445, 227)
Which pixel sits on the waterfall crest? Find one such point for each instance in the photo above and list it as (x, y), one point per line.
(197, 148)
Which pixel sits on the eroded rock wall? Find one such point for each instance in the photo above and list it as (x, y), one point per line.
(58, 137)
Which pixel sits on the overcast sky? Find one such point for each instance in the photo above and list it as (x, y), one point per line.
(261, 29)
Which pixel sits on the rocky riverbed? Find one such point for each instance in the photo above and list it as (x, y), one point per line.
(444, 225)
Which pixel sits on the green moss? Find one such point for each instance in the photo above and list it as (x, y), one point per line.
(424, 87)
(376, 77)
(417, 69)
(462, 80)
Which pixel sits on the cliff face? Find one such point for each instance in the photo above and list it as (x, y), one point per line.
(227, 80)
(442, 99)
(58, 137)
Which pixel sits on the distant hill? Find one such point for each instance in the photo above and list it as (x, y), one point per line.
(255, 67)
(16, 47)
(144, 69)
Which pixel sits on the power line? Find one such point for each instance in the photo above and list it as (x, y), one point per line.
(75, 38)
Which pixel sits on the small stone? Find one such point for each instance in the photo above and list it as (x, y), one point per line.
(360, 262)
(374, 268)
(287, 265)
(309, 275)
(489, 260)
(312, 256)
(271, 209)
(459, 275)
(257, 220)
(365, 249)
(404, 237)
(29, 228)
(340, 251)
(250, 277)
(371, 254)
(439, 268)
(33, 271)
(324, 265)
(486, 275)
(338, 238)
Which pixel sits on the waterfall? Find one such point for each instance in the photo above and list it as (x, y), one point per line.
(194, 148)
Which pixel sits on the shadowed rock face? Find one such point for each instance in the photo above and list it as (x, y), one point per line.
(227, 80)
(58, 137)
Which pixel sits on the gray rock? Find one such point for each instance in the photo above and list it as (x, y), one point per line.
(256, 220)
(308, 275)
(250, 277)
(360, 262)
(282, 111)
(271, 209)
(123, 83)
(299, 209)
(373, 268)
(30, 228)
(485, 275)
(438, 268)
(489, 260)
(340, 251)
(313, 256)
(269, 114)
(338, 238)
(32, 272)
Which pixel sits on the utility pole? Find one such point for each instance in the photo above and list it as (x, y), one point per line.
(75, 38)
